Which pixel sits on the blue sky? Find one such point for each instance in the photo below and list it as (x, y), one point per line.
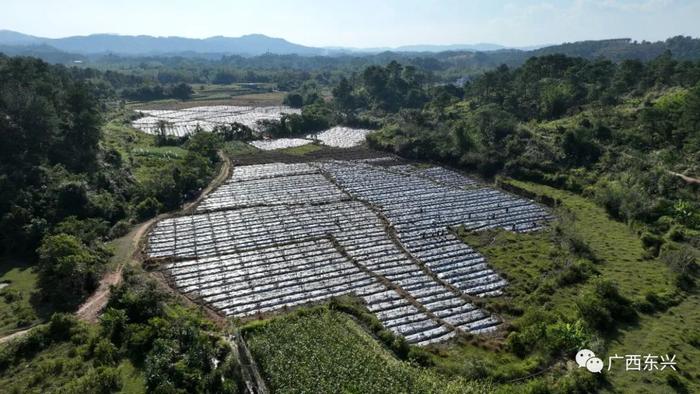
(362, 23)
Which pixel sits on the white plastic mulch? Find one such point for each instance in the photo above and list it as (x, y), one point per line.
(341, 137)
(279, 143)
(185, 121)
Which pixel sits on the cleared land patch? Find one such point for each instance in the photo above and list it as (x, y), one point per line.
(280, 235)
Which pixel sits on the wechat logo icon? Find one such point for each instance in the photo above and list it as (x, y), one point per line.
(586, 359)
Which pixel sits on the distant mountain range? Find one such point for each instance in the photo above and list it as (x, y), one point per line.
(251, 45)
(277, 52)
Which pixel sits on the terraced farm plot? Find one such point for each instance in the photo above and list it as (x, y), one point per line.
(185, 121)
(278, 235)
(280, 143)
(182, 122)
(341, 137)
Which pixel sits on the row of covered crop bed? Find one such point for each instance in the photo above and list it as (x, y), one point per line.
(280, 235)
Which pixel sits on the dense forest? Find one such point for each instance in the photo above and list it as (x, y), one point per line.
(61, 191)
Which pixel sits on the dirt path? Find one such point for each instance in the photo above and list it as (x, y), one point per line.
(91, 308)
(685, 177)
(126, 252)
(15, 335)
(128, 247)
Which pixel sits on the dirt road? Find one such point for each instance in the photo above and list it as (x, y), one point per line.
(129, 246)
(15, 335)
(127, 249)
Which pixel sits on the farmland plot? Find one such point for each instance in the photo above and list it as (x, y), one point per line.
(185, 121)
(336, 137)
(279, 143)
(341, 137)
(280, 235)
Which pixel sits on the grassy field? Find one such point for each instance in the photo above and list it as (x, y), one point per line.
(139, 149)
(16, 307)
(674, 331)
(213, 91)
(620, 258)
(534, 265)
(239, 148)
(326, 351)
(234, 94)
(618, 248)
(302, 150)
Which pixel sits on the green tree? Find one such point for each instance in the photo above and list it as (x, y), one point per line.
(343, 97)
(68, 270)
(182, 91)
(294, 100)
(205, 144)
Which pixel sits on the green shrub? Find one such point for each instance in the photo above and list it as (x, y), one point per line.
(148, 208)
(87, 230)
(23, 314)
(578, 381)
(650, 240)
(96, 381)
(677, 384)
(682, 262)
(565, 338)
(601, 306)
(61, 326)
(205, 144)
(575, 272)
(68, 269)
(113, 324)
(105, 353)
(10, 294)
(566, 234)
(654, 302)
(676, 233)
(694, 340)
(120, 229)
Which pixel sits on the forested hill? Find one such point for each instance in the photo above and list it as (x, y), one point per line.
(682, 48)
(271, 55)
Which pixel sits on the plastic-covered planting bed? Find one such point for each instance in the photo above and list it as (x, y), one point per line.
(186, 121)
(272, 170)
(279, 235)
(414, 199)
(337, 137)
(296, 189)
(341, 137)
(280, 143)
(447, 177)
(421, 212)
(267, 279)
(289, 273)
(439, 175)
